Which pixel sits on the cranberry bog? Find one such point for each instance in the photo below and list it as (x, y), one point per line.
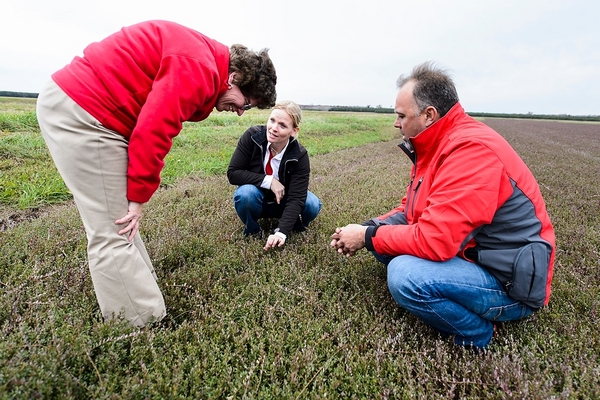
(302, 321)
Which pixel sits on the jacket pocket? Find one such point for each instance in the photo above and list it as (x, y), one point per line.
(530, 273)
(522, 271)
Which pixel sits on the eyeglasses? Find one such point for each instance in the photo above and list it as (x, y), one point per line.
(247, 106)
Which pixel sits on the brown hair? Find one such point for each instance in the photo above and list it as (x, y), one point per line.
(255, 74)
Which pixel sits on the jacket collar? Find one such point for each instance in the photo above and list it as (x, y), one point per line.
(222, 55)
(430, 138)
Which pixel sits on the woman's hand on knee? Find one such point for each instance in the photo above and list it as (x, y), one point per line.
(132, 219)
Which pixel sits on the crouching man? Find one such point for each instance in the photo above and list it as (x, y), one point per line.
(471, 243)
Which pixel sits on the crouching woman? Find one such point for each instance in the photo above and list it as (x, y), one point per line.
(272, 170)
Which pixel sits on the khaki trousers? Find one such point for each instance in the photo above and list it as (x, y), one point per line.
(92, 161)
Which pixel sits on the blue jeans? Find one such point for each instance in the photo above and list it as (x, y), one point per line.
(456, 297)
(250, 205)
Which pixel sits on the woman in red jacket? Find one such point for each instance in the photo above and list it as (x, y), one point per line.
(109, 118)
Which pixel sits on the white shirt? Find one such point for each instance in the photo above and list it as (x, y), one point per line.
(275, 163)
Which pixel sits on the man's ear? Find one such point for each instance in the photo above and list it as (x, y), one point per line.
(432, 115)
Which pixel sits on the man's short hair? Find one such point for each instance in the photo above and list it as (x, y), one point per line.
(433, 87)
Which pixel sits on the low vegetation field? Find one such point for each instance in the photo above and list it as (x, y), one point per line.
(294, 323)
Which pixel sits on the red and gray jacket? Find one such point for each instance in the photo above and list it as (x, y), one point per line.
(143, 82)
(472, 196)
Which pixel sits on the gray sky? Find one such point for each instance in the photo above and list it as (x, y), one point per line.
(512, 56)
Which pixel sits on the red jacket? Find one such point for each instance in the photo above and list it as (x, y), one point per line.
(144, 82)
(469, 190)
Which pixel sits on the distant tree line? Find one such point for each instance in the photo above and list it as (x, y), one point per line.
(18, 94)
(377, 109)
(384, 110)
(562, 117)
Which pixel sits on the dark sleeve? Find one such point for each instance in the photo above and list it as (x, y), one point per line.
(296, 194)
(245, 166)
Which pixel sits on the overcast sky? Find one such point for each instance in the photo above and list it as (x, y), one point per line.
(510, 56)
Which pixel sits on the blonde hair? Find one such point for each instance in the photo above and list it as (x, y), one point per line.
(292, 109)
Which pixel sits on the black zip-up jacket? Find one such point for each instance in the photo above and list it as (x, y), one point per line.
(246, 167)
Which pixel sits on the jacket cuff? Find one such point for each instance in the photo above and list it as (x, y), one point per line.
(369, 233)
(284, 231)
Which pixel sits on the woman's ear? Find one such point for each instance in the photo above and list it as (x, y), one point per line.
(231, 79)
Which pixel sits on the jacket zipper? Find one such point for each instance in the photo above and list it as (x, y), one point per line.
(412, 193)
(414, 196)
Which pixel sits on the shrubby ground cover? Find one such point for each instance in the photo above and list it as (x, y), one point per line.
(299, 322)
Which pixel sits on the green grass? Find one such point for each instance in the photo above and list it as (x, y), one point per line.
(17, 105)
(28, 175)
(206, 148)
(299, 322)
(18, 122)
(30, 180)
